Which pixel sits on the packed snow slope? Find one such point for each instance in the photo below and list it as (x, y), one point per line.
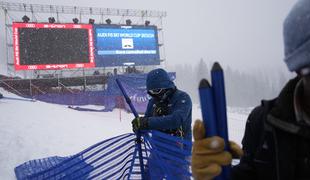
(33, 130)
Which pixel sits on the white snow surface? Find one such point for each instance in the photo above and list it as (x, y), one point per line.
(33, 130)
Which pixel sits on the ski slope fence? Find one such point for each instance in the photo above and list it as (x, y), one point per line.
(164, 157)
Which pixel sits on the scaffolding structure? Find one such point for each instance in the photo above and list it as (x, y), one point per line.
(14, 12)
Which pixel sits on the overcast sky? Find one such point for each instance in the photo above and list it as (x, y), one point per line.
(245, 34)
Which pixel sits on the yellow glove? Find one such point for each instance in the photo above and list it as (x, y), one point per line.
(209, 155)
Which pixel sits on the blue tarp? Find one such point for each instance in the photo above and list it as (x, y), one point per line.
(164, 157)
(134, 84)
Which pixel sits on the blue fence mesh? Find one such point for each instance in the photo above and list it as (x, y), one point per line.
(164, 157)
(168, 157)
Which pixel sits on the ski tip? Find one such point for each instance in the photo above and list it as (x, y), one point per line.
(204, 84)
(216, 67)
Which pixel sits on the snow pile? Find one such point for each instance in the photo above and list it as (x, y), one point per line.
(33, 130)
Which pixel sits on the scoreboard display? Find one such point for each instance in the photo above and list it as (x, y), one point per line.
(64, 46)
(52, 46)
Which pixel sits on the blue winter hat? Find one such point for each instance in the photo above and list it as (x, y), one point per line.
(158, 78)
(296, 31)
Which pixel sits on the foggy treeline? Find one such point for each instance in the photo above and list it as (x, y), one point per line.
(243, 89)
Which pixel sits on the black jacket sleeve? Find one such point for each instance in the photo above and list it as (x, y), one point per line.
(245, 170)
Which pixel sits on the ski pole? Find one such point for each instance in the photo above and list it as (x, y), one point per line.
(138, 134)
(132, 108)
(218, 88)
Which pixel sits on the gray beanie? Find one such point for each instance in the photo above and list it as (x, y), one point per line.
(296, 31)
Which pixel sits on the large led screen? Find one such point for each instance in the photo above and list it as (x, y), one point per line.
(52, 46)
(118, 45)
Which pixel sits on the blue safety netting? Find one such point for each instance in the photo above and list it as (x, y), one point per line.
(164, 157)
(168, 158)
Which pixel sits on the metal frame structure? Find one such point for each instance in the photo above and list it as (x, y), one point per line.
(38, 12)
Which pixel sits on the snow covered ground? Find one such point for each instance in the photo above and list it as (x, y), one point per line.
(32, 130)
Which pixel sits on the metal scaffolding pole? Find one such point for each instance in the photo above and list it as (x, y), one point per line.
(6, 38)
(40, 8)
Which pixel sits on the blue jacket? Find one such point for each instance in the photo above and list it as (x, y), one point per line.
(179, 106)
(179, 114)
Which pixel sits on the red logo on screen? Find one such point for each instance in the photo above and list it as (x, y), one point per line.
(79, 65)
(58, 26)
(56, 66)
(32, 67)
(77, 26)
(30, 25)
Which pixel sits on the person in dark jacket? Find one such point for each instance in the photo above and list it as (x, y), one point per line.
(276, 142)
(169, 110)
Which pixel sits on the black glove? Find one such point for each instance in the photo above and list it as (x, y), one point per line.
(139, 123)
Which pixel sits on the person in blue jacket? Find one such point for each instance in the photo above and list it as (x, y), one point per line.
(169, 110)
